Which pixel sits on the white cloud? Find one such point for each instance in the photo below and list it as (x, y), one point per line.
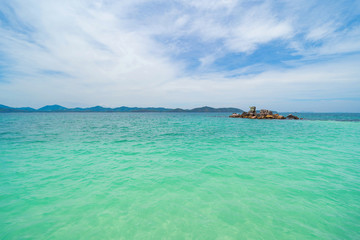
(321, 32)
(91, 47)
(114, 53)
(211, 4)
(246, 37)
(279, 89)
(346, 41)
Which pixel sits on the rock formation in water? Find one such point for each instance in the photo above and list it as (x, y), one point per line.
(290, 116)
(263, 114)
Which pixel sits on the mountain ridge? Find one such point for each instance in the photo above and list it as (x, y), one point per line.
(59, 108)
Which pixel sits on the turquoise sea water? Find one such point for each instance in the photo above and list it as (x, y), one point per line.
(178, 176)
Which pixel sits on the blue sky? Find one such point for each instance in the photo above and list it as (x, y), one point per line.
(286, 55)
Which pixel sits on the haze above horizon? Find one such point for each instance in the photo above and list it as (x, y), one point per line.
(285, 55)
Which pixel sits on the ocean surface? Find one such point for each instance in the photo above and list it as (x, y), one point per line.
(178, 176)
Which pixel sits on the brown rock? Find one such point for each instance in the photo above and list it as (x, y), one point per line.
(235, 115)
(252, 110)
(265, 112)
(290, 116)
(244, 114)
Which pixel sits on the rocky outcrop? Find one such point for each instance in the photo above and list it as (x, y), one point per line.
(263, 114)
(290, 116)
(252, 111)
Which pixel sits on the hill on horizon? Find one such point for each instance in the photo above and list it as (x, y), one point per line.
(59, 108)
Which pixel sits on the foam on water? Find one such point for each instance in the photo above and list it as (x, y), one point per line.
(178, 176)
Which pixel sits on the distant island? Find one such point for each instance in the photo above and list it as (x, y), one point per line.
(58, 108)
(262, 114)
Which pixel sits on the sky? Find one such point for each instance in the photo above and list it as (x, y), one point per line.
(284, 55)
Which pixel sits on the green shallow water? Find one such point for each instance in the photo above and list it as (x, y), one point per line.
(177, 176)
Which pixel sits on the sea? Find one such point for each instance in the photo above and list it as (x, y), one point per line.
(179, 176)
